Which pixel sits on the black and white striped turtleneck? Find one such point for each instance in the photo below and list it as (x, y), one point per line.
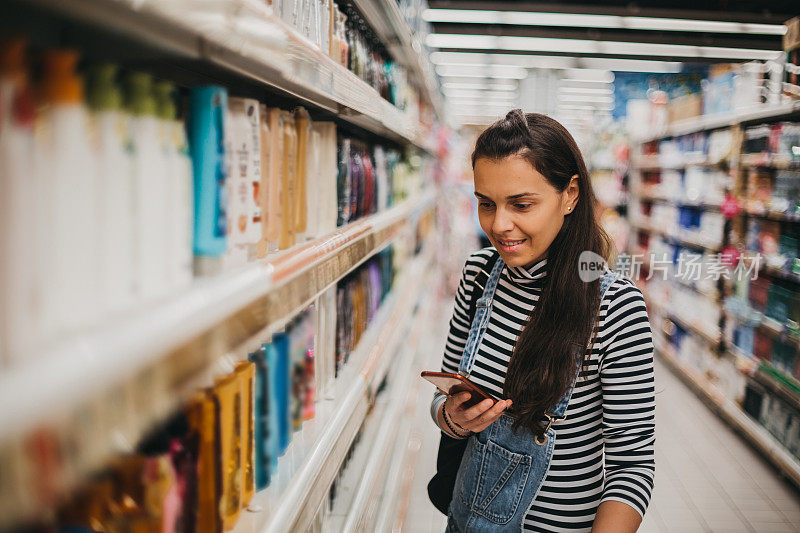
(604, 447)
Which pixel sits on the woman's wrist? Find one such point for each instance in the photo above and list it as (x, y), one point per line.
(452, 427)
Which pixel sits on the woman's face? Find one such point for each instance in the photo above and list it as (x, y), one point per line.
(519, 210)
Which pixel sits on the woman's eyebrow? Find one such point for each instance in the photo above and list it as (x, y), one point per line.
(521, 195)
(510, 197)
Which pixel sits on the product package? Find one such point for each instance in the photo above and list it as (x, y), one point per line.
(288, 216)
(244, 210)
(261, 413)
(246, 373)
(207, 130)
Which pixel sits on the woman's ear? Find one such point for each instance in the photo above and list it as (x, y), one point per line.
(571, 194)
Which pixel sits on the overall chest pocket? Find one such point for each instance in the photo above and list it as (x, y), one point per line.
(494, 481)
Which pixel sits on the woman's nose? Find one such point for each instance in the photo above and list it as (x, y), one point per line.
(502, 222)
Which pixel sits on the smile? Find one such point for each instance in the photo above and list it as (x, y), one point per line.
(510, 246)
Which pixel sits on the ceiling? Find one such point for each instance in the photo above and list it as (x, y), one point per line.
(485, 45)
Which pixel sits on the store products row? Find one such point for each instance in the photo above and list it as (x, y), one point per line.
(338, 29)
(686, 224)
(732, 333)
(198, 470)
(717, 96)
(697, 148)
(121, 189)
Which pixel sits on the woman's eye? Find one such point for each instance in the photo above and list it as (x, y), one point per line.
(522, 206)
(485, 205)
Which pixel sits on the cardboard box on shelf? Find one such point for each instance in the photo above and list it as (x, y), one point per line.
(683, 107)
(791, 39)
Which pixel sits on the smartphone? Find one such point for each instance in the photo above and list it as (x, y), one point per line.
(450, 383)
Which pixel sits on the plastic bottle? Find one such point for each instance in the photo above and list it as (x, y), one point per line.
(207, 125)
(179, 194)
(68, 175)
(17, 207)
(149, 188)
(114, 188)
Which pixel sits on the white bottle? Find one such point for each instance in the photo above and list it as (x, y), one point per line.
(149, 189)
(327, 196)
(70, 177)
(179, 189)
(114, 190)
(18, 205)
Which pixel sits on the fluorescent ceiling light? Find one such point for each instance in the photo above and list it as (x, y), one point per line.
(585, 46)
(517, 73)
(584, 107)
(631, 65)
(584, 90)
(482, 103)
(481, 86)
(588, 74)
(528, 18)
(521, 60)
(489, 95)
(556, 62)
(585, 98)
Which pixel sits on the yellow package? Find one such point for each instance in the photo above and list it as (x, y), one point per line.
(227, 400)
(246, 371)
(201, 414)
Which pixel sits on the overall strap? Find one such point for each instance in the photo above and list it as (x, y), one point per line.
(559, 411)
(480, 315)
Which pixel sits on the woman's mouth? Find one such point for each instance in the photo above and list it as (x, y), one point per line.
(510, 246)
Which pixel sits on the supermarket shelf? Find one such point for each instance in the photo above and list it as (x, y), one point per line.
(246, 38)
(676, 202)
(310, 465)
(642, 226)
(711, 122)
(771, 215)
(653, 162)
(780, 273)
(711, 337)
(730, 411)
(788, 394)
(368, 496)
(769, 161)
(193, 329)
(747, 364)
(387, 20)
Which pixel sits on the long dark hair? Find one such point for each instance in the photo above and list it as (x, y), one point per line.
(552, 345)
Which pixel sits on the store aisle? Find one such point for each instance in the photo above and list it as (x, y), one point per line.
(707, 478)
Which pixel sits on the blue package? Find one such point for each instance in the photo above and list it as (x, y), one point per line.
(282, 384)
(206, 132)
(261, 413)
(272, 442)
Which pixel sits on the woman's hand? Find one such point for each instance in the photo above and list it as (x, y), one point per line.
(475, 418)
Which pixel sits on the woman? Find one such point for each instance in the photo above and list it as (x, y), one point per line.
(570, 448)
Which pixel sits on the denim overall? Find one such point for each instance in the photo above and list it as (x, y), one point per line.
(502, 470)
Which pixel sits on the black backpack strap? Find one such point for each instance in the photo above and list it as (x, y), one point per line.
(477, 288)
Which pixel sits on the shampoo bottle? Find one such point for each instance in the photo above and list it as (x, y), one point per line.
(178, 188)
(18, 203)
(115, 188)
(149, 188)
(70, 178)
